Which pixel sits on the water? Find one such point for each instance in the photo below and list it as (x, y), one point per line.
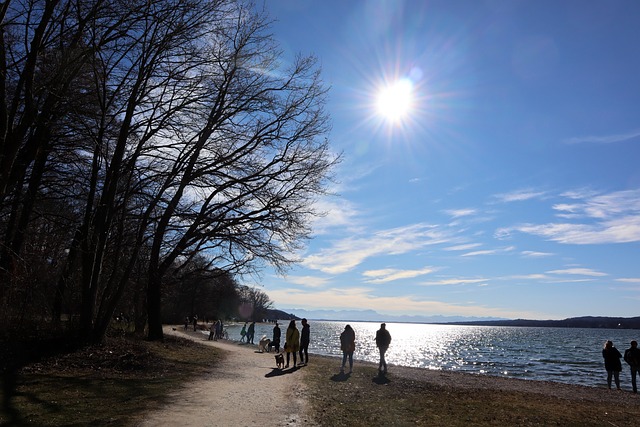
(565, 355)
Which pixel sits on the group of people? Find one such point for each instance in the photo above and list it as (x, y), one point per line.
(297, 343)
(248, 333)
(348, 346)
(613, 365)
(215, 330)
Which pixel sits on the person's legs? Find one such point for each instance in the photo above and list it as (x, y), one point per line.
(383, 362)
(344, 360)
(294, 359)
(350, 361)
(634, 373)
(287, 365)
(616, 377)
(609, 375)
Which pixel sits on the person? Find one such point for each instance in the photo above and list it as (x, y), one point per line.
(632, 357)
(612, 363)
(383, 339)
(348, 346)
(292, 342)
(304, 343)
(276, 337)
(212, 332)
(218, 331)
(186, 323)
(243, 332)
(251, 332)
(195, 322)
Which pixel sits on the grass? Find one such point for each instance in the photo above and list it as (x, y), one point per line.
(366, 399)
(111, 384)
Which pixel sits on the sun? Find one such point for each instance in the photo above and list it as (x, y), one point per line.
(395, 101)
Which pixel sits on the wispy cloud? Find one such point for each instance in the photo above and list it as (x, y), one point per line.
(608, 218)
(578, 272)
(629, 280)
(391, 274)
(357, 298)
(488, 251)
(457, 213)
(346, 254)
(455, 281)
(533, 254)
(308, 281)
(464, 247)
(519, 195)
(604, 139)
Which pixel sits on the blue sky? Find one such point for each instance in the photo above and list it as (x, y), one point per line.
(510, 187)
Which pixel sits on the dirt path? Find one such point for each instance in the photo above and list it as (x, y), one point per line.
(245, 389)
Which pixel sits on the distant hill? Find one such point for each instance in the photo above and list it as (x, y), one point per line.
(573, 322)
(274, 314)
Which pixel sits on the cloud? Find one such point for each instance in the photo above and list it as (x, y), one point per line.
(629, 280)
(357, 298)
(391, 274)
(605, 139)
(348, 253)
(457, 213)
(489, 251)
(579, 272)
(607, 218)
(449, 282)
(308, 281)
(519, 195)
(533, 254)
(464, 247)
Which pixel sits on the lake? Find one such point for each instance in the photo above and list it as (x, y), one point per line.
(567, 355)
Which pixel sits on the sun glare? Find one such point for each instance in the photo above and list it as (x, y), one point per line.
(394, 102)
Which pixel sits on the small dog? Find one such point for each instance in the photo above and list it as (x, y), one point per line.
(279, 360)
(263, 345)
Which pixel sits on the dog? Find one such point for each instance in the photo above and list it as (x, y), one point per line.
(263, 345)
(279, 360)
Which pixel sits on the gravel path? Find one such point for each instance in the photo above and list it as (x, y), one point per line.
(245, 389)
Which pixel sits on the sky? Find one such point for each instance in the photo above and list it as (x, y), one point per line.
(505, 181)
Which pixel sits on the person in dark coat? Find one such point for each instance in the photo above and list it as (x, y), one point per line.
(632, 357)
(251, 332)
(348, 346)
(277, 334)
(383, 340)
(304, 343)
(612, 363)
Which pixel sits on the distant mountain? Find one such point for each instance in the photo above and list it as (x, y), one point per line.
(373, 316)
(573, 322)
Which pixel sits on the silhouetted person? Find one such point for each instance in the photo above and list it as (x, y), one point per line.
(348, 346)
(304, 343)
(383, 340)
(251, 332)
(632, 357)
(243, 332)
(612, 363)
(276, 337)
(292, 342)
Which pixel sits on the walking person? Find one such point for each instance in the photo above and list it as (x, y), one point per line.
(612, 363)
(348, 346)
(292, 342)
(383, 340)
(243, 332)
(304, 343)
(251, 332)
(632, 357)
(276, 338)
